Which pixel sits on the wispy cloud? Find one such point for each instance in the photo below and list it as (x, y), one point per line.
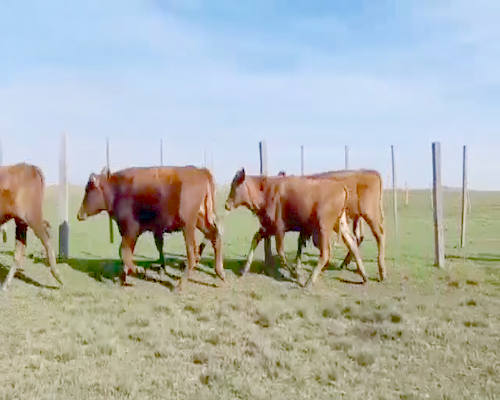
(222, 75)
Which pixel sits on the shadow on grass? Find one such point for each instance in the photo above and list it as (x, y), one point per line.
(481, 257)
(26, 279)
(101, 269)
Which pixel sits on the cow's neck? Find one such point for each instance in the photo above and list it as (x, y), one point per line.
(108, 191)
(255, 196)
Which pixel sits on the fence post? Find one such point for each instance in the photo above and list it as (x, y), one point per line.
(394, 195)
(438, 205)
(464, 198)
(407, 194)
(263, 171)
(4, 231)
(302, 159)
(346, 157)
(161, 152)
(63, 201)
(111, 232)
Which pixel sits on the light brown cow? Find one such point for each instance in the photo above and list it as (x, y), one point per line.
(312, 207)
(22, 190)
(365, 201)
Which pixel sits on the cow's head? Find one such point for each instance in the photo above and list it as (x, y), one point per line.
(93, 202)
(242, 192)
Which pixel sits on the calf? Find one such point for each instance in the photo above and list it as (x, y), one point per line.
(365, 201)
(157, 199)
(282, 204)
(22, 191)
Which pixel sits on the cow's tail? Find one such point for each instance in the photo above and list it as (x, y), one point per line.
(381, 203)
(47, 228)
(346, 201)
(38, 172)
(210, 215)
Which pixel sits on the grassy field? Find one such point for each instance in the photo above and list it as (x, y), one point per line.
(422, 334)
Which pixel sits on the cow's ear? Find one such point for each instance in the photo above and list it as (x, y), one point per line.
(93, 179)
(240, 175)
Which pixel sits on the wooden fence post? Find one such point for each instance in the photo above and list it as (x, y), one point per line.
(4, 231)
(394, 195)
(302, 160)
(263, 171)
(438, 205)
(346, 158)
(464, 198)
(407, 194)
(161, 152)
(111, 232)
(63, 202)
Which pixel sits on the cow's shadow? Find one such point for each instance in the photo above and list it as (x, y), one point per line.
(102, 269)
(4, 270)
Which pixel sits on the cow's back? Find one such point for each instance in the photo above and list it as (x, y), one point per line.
(364, 188)
(22, 189)
(305, 201)
(160, 196)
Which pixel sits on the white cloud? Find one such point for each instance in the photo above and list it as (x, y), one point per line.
(163, 76)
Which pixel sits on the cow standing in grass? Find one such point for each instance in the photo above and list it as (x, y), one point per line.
(312, 207)
(159, 200)
(365, 201)
(22, 191)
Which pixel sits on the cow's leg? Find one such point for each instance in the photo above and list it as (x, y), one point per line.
(41, 228)
(378, 232)
(280, 250)
(259, 235)
(213, 234)
(202, 246)
(358, 232)
(128, 246)
(322, 241)
(351, 244)
(21, 234)
(159, 245)
(303, 237)
(190, 239)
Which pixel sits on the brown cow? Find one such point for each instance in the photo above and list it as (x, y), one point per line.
(312, 207)
(365, 201)
(22, 191)
(157, 199)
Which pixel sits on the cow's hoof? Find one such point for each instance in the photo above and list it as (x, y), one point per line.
(180, 288)
(308, 286)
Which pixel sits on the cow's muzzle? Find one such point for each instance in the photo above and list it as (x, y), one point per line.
(81, 216)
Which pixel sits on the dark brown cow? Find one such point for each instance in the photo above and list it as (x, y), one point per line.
(312, 207)
(22, 191)
(365, 201)
(159, 200)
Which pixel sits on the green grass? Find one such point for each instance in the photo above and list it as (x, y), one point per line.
(422, 334)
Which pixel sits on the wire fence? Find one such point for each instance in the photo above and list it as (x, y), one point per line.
(410, 193)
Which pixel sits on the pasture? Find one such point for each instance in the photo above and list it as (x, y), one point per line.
(422, 334)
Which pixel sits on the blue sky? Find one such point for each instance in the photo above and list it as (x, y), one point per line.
(218, 76)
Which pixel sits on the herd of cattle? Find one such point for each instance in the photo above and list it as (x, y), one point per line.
(171, 199)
